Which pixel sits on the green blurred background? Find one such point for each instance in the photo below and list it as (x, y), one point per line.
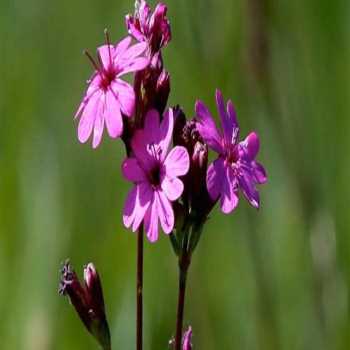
(277, 278)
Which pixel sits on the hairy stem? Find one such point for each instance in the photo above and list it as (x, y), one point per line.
(139, 286)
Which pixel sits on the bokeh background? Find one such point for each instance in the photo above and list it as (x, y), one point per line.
(277, 278)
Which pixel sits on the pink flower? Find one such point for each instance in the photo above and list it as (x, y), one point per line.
(108, 96)
(235, 168)
(153, 28)
(155, 175)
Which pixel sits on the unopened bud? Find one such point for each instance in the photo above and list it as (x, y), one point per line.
(199, 163)
(87, 299)
(179, 124)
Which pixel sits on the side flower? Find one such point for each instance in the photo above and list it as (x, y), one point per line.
(87, 299)
(154, 173)
(235, 168)
(108, 97)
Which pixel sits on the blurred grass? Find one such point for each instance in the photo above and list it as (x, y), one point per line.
(273, 279)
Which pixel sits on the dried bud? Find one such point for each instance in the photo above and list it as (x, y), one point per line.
(153, 28)
(186, 342)
(87, 300)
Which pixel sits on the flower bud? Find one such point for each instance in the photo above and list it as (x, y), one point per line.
(195, 193)
(152, 87)
(179, 124)
(162, 91)
(199, 163)
(87, 299)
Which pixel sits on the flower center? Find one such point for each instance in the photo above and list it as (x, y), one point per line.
(154, 176)
(155, 173)
(107, 77)
(232, 154)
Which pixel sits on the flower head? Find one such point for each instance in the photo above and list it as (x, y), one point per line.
(87, 300)
(153, 28)
(108, 96)
(235, 168)
(155, 174)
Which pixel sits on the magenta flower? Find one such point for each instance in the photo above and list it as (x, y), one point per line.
(235, 168)
(153, 28)
(186, 343)
(155, 175)
(108, 96)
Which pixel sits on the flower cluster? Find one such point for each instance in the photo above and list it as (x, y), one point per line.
(173, 187)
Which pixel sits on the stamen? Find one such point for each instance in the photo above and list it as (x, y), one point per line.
(155, 151)
(108, 42)
(95, 65)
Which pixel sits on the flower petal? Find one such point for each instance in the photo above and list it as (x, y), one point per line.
(94, 86)
(246, 183)
(226, 123)
(87, 118)
(172, 187)
(233, 119)
(133, 28)
(132, 171)
(166, 132)
(215, 174)
(177, 162)
(106, 54)
(144, 13)
(125, 95)
(151, 221)
(99, 124)
(129, 207)
(113, 117)
(133, 51)
(121, 47)
(252, 145)
(259, 173)
(144, 199)
(165, 212)
(207, 127)
(139, 147)
(151, 127)
(229, 197)
(129, 66)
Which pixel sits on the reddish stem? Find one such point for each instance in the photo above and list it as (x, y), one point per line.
(139, 286)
